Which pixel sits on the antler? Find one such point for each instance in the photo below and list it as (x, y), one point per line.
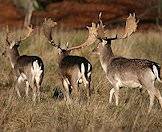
(130, 27)
(90, 40)
(94, 32)
(48, 25)
(30, 30)
(100, 27)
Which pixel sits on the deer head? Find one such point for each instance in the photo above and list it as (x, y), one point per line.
(12, 43)
(129, 29)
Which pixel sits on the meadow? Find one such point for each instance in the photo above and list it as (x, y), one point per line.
(93, 114)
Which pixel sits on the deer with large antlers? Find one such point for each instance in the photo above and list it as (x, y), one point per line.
(124, 72)
(25, 68)
(73, 69)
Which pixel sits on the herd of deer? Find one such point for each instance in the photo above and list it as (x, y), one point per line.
(74, 70)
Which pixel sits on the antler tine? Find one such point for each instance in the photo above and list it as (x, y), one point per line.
(131, 25)
(55, 45)
(100, 26)
(90, 40)
(30, 30)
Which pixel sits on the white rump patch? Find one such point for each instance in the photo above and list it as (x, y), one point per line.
(89, 67)
(89, 74)
(82, 68)
(155, 70)
(36, 71)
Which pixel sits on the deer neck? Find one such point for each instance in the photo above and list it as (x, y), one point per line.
(13, 56)
(61, 57)
(105, 56)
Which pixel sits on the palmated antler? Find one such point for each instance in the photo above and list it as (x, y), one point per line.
(90, 40)
(130, 27)
(100, 27)
(30, 30)
(48, 26)
(12, 36)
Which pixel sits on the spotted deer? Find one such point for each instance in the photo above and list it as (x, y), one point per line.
(73, 69)
(25, 68)
(124, 72)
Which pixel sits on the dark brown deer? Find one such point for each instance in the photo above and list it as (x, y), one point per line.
(26, 68)
(73, 69)
(124, 72)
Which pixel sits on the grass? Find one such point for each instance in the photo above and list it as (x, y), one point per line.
(92, 115)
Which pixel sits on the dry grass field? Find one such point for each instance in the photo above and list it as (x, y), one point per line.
(93, 114)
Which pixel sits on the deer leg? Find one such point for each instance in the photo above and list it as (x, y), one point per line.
(151, 100)
(38, 81)
(34, 93)
(158, 95)
(75, 88)
(38, 91)
(27, 89)
(89, 89)
(66, 88)
(111, 95)
(17, 90)
(33, 88)
(116, 93)
(18, 81)
(152, 92)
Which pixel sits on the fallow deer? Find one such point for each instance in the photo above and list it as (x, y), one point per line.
(25, 68)
(73, 69)
(124, 72)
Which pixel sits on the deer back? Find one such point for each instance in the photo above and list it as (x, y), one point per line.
(69, 63)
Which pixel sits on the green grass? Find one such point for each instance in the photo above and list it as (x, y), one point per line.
(92, 115)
